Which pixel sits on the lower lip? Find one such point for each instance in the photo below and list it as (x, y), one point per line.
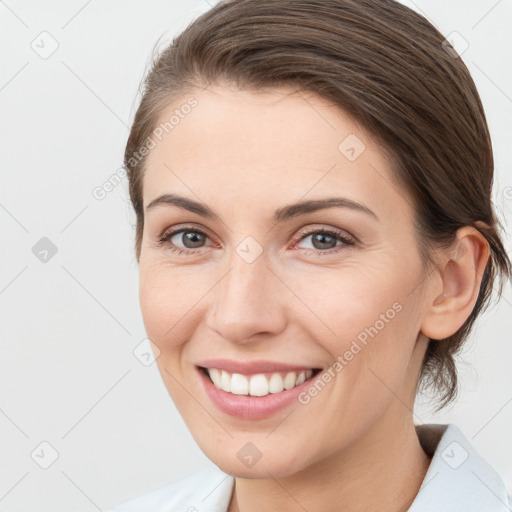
(251, 407)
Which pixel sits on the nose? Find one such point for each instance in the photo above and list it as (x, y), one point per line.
(249, 301)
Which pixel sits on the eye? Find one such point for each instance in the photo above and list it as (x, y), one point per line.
(189, 240)
(325, 241)
(184, 240)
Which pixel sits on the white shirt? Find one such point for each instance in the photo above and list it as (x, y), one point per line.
(458, 480)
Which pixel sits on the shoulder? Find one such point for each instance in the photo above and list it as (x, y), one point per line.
(208, 489)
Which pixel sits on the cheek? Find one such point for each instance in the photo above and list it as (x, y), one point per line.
(170, 302)
(370, 350)
(352, 304)
(169, 298)
(367, 322)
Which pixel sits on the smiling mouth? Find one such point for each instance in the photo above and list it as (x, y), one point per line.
(259, 384)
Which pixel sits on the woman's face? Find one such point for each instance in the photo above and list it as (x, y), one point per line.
(247, 277)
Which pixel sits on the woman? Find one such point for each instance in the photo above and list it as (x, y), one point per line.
(315, 236)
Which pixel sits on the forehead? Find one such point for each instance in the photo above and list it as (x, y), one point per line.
(260, 147)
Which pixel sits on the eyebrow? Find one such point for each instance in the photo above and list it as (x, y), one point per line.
(281, 214)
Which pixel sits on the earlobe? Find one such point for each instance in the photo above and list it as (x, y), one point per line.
(462, 273)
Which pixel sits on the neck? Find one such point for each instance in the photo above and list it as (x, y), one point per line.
(382, 472)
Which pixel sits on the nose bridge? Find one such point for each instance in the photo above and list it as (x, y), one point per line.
(247, 301)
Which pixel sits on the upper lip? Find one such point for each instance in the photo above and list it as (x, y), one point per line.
(252, 367)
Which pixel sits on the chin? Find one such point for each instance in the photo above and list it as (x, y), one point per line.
(247, 459)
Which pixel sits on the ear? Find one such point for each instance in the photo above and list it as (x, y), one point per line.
(462, 269)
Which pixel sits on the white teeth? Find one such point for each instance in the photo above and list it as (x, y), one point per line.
(225, 381)
(289, 380)
(275, 384)
(239, 384)
(301, 378)
(256, 385)
(215, 376)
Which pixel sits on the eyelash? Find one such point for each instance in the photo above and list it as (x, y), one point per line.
(165, 240)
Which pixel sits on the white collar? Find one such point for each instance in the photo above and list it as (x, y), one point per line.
(458, 478)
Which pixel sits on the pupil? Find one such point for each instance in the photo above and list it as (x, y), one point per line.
(321, 238)
(191, 240)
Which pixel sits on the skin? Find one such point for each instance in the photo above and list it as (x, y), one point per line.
(244, 154)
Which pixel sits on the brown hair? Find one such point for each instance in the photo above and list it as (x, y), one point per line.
(387, 67)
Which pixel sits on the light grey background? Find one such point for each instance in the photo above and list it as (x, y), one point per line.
(68, 375)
